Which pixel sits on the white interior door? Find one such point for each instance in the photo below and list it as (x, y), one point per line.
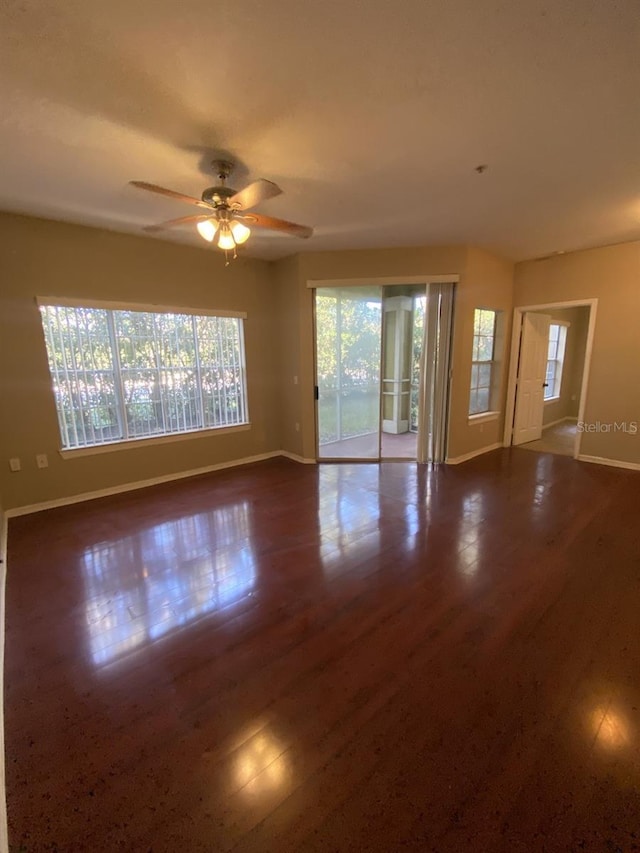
(532, 370)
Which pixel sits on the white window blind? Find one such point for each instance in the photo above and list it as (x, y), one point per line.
(123, 374)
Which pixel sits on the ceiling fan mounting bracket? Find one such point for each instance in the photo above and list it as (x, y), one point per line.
(218, 196)
(222, 168)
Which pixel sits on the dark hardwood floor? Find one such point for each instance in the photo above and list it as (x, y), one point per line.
(336, 658)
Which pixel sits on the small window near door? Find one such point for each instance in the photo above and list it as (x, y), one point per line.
(483, 361)
(555, 360)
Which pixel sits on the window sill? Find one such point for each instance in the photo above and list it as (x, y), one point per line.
(150, 441)
(483, 417)
(552, 399)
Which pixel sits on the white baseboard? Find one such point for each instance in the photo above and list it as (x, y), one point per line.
(304, 460)
(456, 460)
(139, 484)
(613, 463)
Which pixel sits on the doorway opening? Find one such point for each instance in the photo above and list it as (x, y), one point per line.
(381, 380)
(550, 359)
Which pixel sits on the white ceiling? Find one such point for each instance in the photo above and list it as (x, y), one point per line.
(371, 115)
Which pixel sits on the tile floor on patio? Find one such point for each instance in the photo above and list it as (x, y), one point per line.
(403, 446)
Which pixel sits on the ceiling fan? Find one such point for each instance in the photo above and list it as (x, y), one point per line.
(223, 210)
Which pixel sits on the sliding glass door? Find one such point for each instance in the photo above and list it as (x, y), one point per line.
(348, 358)
(382, 367)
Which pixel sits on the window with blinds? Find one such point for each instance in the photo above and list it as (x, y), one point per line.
(127, 374)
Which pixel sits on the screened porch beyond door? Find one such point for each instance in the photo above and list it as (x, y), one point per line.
(368, 347)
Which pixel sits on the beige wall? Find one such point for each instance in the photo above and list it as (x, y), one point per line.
(612, 276)
(287, 296)
(567, 405)
(39, 257)
(485, 281)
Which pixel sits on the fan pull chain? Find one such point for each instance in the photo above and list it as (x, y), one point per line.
(234, 257)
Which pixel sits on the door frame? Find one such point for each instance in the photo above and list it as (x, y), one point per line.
(373, 281)
(516, 336)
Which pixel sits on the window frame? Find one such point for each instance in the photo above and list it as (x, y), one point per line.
(558, 361)
(477, 363)
(164, 368)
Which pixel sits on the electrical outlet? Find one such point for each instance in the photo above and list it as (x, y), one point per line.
(42, 461)
(297, 427)
(295, 380)
(14, 464)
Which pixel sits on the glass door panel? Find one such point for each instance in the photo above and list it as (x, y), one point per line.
(402, 339)
(348, 350)
(417, 340)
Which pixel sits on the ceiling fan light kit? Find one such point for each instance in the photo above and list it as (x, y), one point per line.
(240, 232)
(225, 217)
(231, 233)
(207, 229)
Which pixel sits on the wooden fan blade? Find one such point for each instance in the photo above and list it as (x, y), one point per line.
(278, 225)
(255, 193)
(182, 220)
(143, 185)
